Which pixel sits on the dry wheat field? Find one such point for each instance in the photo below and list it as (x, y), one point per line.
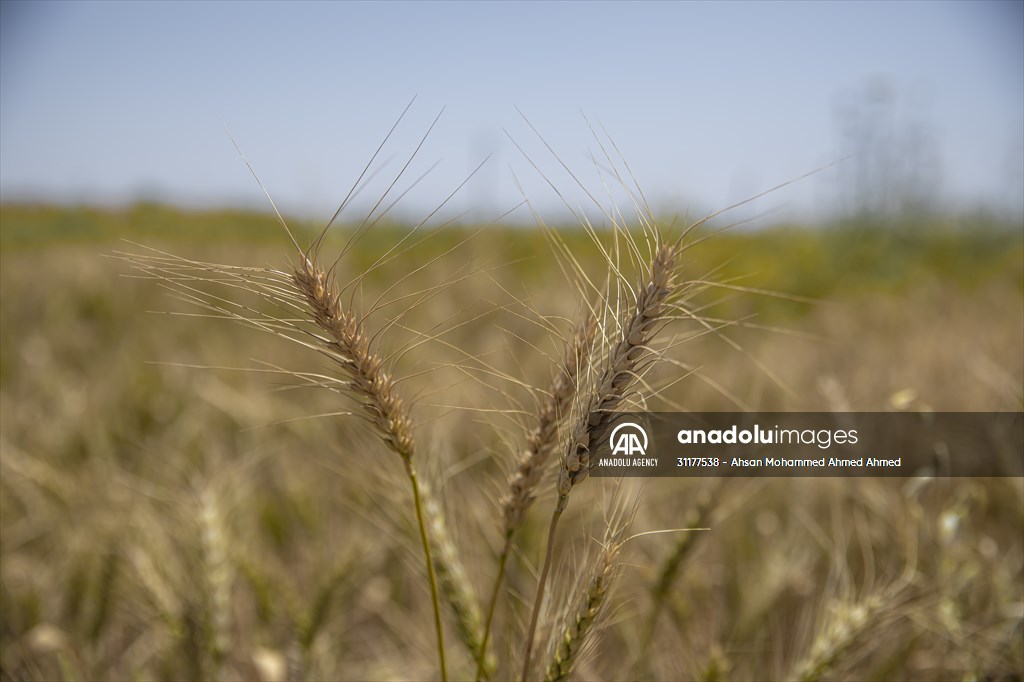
(235, 450)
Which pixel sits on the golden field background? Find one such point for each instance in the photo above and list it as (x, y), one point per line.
(165, 516)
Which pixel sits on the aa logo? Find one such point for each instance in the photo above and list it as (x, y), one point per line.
(628, 439)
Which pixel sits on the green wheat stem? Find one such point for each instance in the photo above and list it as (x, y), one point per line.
(430, 567)
(481, 663)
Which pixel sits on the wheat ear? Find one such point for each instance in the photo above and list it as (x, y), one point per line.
(581, 623)
(622, 365)
(591, 597)
(845, 625)
(661, 587)
(669, 571)
(453, 582)
(540, 442)
(217, 577)
(348, 344)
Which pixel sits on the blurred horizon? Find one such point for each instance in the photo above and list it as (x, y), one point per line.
(113, 104)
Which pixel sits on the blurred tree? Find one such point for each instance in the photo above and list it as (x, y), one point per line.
(894, 170)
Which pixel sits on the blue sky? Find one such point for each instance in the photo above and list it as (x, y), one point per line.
(709, 103)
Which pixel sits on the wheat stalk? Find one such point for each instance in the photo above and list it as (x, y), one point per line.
(624, 362)
(540, 442)
(310, 291)
(373, 387)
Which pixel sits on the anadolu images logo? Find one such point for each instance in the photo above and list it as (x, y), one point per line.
(628, 439)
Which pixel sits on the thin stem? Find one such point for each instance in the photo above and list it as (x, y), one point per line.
(495, 590)
(540, 588)
(430, 567)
